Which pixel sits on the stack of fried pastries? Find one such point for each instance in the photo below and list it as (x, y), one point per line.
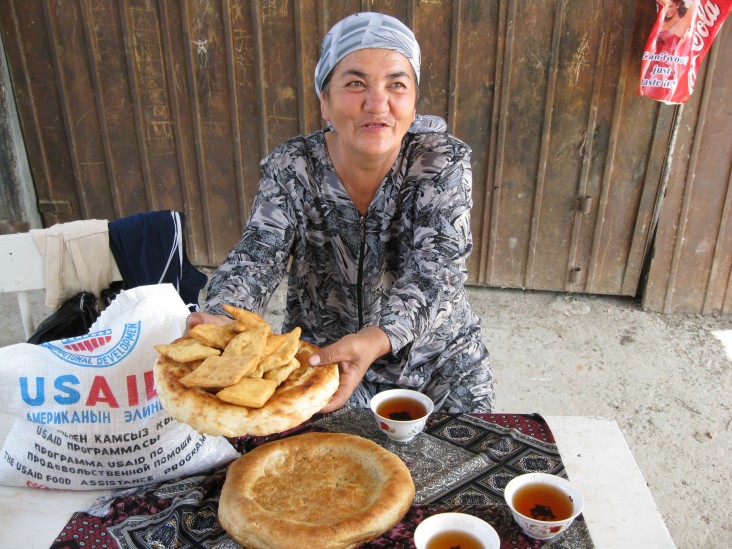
(241, 378)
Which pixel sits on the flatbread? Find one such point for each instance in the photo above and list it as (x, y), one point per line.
(324, 490)
(301, 395)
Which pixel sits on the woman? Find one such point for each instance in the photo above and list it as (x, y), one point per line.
(373, 219)
(667, 56)
(674, 26)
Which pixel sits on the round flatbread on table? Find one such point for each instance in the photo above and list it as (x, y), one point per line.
(294, 401)
(325, 490)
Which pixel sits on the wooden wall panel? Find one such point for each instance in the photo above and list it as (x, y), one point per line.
(527, 56)
(567, 210)
(691, 267)
(44, 133)
(469, 100)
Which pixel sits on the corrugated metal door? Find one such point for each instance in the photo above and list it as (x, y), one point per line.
(141, 105)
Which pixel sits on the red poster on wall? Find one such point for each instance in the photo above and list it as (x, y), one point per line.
(679, 41)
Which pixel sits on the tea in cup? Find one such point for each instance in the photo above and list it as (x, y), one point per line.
(401, 414)
(448, 530)
(543, 505)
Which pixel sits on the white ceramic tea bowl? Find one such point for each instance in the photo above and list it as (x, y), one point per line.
(543, 529)
(456, 522)
(400, 430)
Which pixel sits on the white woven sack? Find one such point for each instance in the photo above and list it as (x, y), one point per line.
(87, 415)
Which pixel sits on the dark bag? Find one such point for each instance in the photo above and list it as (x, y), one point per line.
(73, 318)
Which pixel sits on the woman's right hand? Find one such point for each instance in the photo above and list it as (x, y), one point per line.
(194, 319)
(354, 354)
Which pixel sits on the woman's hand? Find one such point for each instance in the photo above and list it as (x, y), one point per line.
(354, 354)
(194, 319)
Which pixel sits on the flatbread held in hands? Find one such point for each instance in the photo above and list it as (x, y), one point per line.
(234, 380)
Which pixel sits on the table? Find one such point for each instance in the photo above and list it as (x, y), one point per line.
(619, 509)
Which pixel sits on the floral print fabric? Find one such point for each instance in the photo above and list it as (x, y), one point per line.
(401, 267)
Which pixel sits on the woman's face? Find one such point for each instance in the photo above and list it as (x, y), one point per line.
(370, 102)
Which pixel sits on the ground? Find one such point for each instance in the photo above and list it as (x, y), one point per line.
(665, 379)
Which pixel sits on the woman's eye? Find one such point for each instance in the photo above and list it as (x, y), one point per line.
(355, 84)
(399, 85)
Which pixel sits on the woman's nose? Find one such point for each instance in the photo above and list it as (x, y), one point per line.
(377, 100)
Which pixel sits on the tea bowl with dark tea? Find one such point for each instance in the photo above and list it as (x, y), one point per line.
(449, 530)
(401, 414)
(543, 505)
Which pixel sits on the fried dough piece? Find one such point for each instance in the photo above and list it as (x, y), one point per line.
(253, 341)
(245, 320)
(274, 341)
(187, 350)
(283, 354)
(221, 371)
(283, 372)
(213, 335)
(249, 392)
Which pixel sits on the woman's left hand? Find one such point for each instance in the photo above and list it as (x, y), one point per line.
(354, 354)
(194, 319)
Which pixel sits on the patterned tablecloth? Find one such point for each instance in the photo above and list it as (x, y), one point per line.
(459, 463)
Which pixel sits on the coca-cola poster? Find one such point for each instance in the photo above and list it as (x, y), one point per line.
(680, 39)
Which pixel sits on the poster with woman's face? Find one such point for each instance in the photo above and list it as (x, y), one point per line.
(681, 36)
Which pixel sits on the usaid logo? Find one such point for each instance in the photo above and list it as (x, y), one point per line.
(99, 349)
(88, 342)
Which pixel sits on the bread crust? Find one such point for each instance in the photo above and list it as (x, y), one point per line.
(325, 490)
(294, 402)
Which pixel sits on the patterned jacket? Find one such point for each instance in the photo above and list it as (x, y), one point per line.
(401, 267)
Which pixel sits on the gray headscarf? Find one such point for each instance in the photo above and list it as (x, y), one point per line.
(365, 30)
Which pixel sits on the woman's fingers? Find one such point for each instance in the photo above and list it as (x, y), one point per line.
(360, 348)
(354, 354)
(344, 354)
(350, 377)
(194, 319)
(338, 400)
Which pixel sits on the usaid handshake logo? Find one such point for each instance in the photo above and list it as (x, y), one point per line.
(98, 349)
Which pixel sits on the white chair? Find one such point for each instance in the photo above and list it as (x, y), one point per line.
(23, 267)
(21, 270)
